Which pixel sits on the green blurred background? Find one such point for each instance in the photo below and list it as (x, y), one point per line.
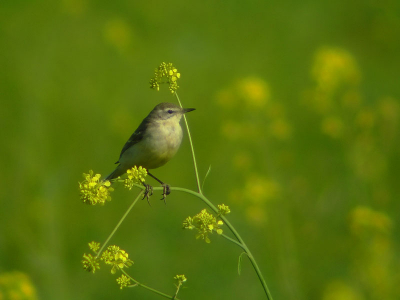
(297, 114)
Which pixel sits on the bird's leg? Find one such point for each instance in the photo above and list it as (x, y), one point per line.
(166, 190)
(148, 192)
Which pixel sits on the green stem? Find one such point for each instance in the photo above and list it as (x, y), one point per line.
(233, 241)
(235, 233)
(192, 148)
(149, 288)
(119, 223)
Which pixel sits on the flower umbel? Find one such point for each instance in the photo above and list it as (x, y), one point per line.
(205, 223)
(94, 246)
(135, 175)
(117, 258)
(90, 263)
(171, 75)
(180, 278)
(93, 190)
(223, 209)
(123, 281)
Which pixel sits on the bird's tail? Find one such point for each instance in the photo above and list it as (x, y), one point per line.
(114, 174)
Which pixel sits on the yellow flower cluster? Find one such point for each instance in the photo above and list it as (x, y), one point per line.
(90, 263)
(123, 281)
(223, 209)
(135, 175)
(180, 278)
(205, 223)
(116, 257)
(93, 190)
(94, 246)
(171, 75)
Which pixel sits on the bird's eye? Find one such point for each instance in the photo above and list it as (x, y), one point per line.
(170, 111)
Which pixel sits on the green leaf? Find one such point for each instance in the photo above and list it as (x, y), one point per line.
(205, 177)
(240, 262)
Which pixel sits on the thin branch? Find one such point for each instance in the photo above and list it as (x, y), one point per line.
(119, 223)
(192, 148)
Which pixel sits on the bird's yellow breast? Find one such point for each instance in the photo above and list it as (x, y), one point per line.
(162, 141)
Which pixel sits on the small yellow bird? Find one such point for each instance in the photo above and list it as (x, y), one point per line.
(153, 144)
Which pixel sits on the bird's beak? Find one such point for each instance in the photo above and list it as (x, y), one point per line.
(186, 110)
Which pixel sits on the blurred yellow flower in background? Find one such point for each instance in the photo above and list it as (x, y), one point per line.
(255, 91)
(334, 66)
(364, 219)
(389, 109)
(118, 33)
(16, 285)
(365, 119)
(280, 129)
(249, 92)
(367, 159)
(337, 77)
(232, 130)
(242, 161)
(339, 290)
(351, 99)
(374, 262)
(332, 126)
(74, 7)
(259, 188)
(226, 98)
(241, 130)
(256, 214)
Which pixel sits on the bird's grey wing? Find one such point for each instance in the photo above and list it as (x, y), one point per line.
(136, 137)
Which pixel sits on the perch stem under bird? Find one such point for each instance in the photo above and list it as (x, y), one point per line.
(153, 144)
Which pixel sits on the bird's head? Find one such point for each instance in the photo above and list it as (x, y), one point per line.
(165, 111)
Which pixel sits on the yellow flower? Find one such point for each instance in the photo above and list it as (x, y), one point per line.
(93, 190)
(123, 281)
(135, 175)
(116, 257)
(205, 223)
(223, 210)
(255, 91)
(168, 72)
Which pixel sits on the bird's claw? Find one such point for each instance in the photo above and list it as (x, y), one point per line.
(166, 192)
(148, 192)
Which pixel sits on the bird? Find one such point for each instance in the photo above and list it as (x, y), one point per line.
(153, 144)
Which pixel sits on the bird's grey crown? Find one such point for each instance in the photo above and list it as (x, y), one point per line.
(165, 105)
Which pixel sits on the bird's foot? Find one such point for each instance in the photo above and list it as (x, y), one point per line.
(166, 192)
(147, 192)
